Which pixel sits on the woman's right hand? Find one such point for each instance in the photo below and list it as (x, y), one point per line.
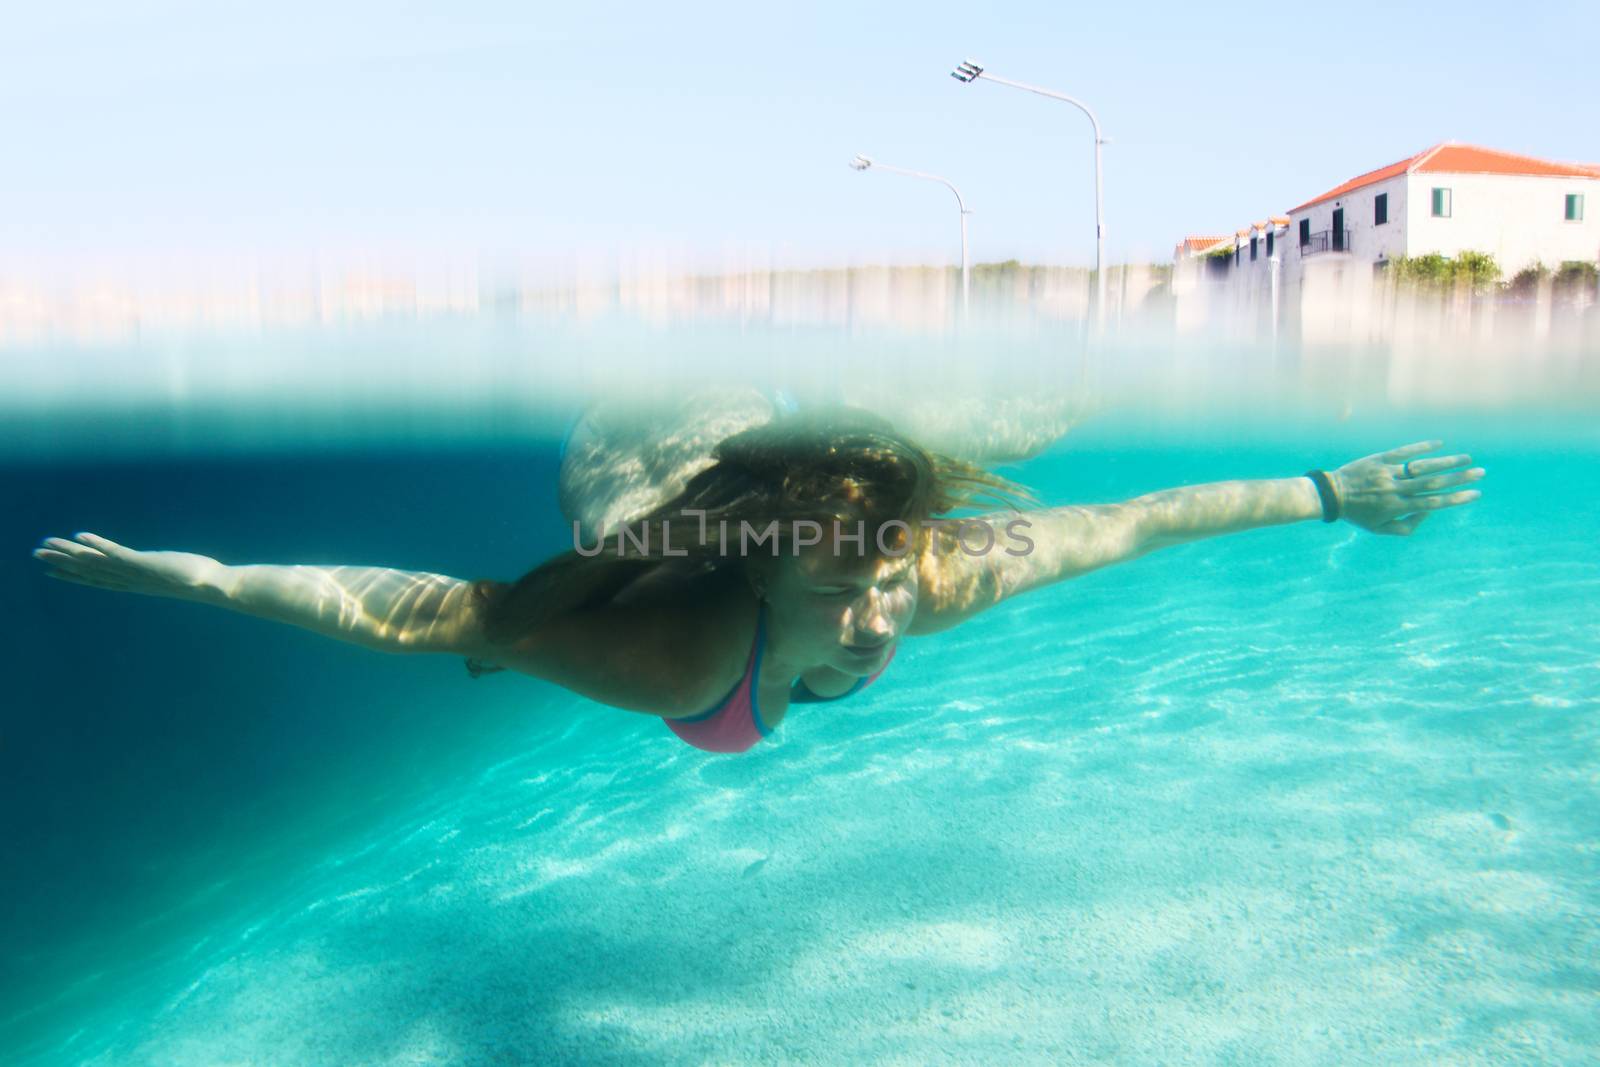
(88, 559)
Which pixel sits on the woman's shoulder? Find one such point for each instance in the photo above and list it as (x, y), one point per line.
(700, 633)
(669, 646)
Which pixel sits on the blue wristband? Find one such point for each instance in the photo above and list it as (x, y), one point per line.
(1330, 499)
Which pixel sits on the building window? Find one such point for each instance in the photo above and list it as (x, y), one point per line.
(1441, 202)
(1269, 244)
(1380, 209)
(1253, 247)
(1305, 232)
(1574, 207)
(1236, 253)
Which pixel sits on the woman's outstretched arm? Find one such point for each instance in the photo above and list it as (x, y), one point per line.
(1389, 493)
(379, 608)
(650, 656)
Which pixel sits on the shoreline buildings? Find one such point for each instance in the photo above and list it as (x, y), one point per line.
(1334, 248)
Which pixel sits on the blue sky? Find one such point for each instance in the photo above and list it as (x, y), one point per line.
(217, 133)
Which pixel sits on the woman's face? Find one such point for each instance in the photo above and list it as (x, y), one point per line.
(842, 610)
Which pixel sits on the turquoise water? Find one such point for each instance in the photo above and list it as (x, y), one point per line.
(1300, 795)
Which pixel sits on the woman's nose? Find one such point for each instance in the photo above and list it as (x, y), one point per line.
(874, 619)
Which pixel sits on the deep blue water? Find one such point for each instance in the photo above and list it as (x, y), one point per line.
(1297, 795)
(154, 752)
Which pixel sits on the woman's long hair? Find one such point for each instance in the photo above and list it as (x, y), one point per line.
(843, 465)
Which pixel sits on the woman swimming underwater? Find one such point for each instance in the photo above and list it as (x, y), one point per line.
(785, 571)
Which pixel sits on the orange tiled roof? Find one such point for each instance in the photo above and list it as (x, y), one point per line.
(1279, 220)
(1469, 159)
(1200, 244)
(1368, 178)
(1450, 158)
(1196, 245)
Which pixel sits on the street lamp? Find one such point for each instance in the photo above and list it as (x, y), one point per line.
(862, 163)
(969, 72)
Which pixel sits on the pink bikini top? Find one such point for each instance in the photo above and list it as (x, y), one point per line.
(734, 723)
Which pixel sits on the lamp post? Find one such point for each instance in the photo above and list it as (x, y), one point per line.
(969, 72)
(863, 163)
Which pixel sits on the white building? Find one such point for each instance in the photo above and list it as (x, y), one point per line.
(1446, 200)
(1234, 280)
(1449, 199)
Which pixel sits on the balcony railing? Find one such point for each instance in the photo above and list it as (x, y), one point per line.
(1326, 241)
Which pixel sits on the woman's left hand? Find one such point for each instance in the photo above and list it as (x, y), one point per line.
(1392, 492)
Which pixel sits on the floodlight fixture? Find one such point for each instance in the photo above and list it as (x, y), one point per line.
(967, 71)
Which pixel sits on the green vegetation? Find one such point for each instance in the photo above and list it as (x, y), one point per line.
(996, 270)
(1577, 276)
(1477, 269)
(1011, 268)
(1478, 272)
(1572, 278)
(1526, 281)
(1469, 269)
